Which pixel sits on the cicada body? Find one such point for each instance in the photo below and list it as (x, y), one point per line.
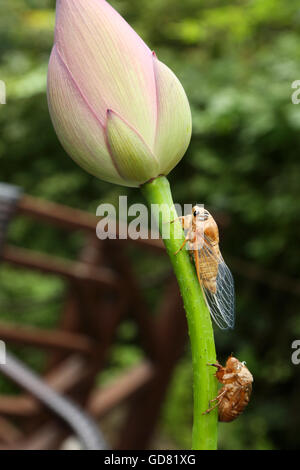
(214, 276)
(235, 394)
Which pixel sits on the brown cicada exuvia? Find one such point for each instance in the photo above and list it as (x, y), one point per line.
(234, 396)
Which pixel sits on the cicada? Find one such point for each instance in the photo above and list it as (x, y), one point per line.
(235, 394)
(214, 276)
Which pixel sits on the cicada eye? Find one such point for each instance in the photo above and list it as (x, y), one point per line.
(244, 363)
(196, 213)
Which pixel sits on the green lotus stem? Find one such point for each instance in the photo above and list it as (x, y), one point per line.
(198, 316)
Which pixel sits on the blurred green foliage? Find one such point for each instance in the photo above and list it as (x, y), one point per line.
(237, 61)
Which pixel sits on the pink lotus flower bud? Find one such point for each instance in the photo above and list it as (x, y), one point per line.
(118, 111)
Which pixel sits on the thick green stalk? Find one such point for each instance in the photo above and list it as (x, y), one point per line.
(198, 317)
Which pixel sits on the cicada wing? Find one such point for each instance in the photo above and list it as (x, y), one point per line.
(221, 304)
(221, 300)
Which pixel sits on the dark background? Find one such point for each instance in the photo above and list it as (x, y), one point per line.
(237, 61)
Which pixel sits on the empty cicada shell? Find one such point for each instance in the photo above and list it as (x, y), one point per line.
(235, 394)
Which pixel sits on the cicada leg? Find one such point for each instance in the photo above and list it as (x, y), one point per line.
(179, 249)
(181, 218)
(217, 399)
(210, 409)
(186, 221)
(186, 225)
(217, 365)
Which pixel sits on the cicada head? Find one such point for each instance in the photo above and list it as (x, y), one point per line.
(200, 214)
(233, 364)
(204, 221)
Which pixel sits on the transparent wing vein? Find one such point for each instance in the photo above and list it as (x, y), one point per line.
(221, 304)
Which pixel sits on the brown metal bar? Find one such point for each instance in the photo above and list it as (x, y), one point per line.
(9, 433)
(74, 270)
(47, 339)
(47, 437)
(138, 308)
(57, 214)
(108, 397)
(18, 406)
(69, 322)
(74, 219)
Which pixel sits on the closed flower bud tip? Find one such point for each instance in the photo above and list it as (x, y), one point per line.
(118, 111)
